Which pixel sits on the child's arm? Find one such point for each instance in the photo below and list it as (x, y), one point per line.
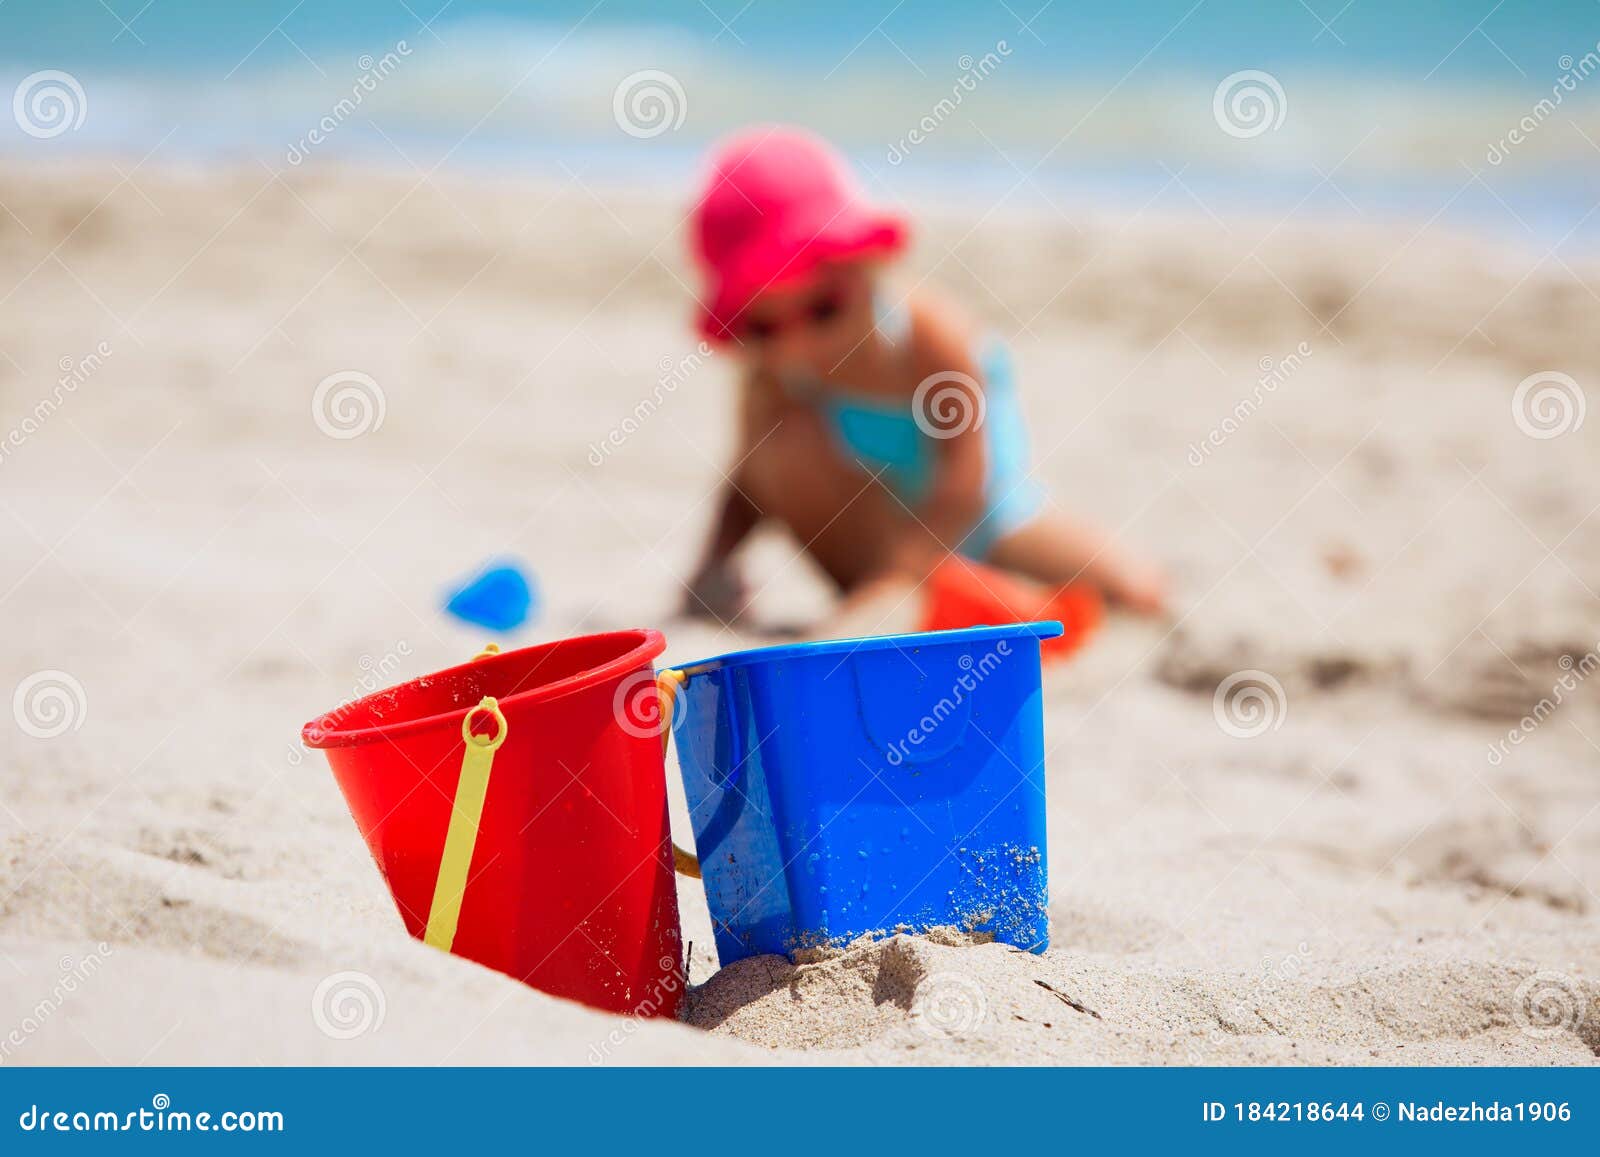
(951, 403)
(954, 502)
(715, 589)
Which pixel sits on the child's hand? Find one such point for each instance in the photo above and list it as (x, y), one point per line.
(717, 592)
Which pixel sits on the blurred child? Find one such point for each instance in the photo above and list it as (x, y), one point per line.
(884, 433)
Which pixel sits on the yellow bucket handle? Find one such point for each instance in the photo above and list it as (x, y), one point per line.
(466, 813)
(667, 684)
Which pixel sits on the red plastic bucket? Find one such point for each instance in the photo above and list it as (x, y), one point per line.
(540, 811)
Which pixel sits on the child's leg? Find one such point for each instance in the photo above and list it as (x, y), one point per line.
(836, 511)
(1054, 549)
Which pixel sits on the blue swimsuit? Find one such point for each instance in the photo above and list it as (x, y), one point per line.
(884, 437)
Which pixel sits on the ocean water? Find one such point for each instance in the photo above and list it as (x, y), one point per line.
(1323, 107)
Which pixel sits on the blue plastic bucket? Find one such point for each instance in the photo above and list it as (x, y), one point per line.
(861, 787)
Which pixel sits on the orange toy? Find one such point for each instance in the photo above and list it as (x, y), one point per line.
(960, 593)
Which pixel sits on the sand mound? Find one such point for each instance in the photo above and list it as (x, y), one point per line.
(945, 1000)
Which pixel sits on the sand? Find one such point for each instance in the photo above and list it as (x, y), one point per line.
(199, 568)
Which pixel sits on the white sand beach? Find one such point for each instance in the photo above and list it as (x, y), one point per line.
(198, 567)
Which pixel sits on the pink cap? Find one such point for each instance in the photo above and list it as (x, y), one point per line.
(777, 202)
